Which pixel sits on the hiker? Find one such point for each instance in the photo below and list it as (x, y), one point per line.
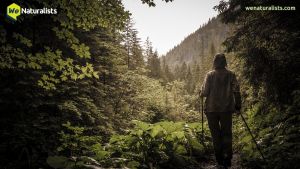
(222, 93)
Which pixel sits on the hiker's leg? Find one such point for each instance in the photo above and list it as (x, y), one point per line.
(215, 130)
(226, 129)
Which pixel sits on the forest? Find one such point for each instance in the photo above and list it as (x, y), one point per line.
(80, 89)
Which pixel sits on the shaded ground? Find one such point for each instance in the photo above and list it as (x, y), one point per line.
(211, 164)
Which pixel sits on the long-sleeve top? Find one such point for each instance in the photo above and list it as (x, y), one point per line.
(222, 91)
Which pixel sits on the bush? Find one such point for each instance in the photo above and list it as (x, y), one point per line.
(161, 145)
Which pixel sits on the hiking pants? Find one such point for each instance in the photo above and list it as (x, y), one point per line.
(220, 125)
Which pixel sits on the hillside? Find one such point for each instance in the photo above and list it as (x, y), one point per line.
(200, 45)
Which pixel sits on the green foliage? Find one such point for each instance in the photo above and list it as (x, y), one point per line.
(275, 133)
(84, 150)
(77, 57)
(70, 60)
(152, 3)
(60, 162)
(153, 64)
(161, 145)
(75, 142)
(156, 102)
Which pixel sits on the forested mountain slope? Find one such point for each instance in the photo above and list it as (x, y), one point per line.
(200, 45)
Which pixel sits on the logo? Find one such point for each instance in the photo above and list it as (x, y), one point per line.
(13, 11)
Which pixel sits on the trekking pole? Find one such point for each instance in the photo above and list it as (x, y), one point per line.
(202, 120)
(257, 146)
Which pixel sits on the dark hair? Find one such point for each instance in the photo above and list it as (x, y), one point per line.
(219, 61)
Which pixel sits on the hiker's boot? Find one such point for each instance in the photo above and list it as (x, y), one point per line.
(227, 162)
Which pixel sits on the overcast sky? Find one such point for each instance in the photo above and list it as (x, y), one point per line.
(168, 24)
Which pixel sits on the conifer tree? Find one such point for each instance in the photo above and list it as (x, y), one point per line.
(132, 45)
(154, 67)
(189, 83)
(183, 71)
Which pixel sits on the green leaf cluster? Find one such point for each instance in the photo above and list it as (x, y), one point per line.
(159, 145)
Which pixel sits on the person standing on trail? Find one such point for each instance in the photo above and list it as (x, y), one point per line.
(222, 93)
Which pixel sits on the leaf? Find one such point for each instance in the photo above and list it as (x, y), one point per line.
(81, 76)
(180, 149)
(21, 64)
(74, 76)
(133, 164)
(178, 134)
(157, 131)
(196, 145)
(140, 124)
(84, 70)
(168, 126)
(100, 153)
(95, 74)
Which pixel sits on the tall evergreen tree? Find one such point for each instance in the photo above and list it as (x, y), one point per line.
(177, 72)
(148, 51)
(167, 75)
(154, 67)
(212, 50)
(189, 82)
(183, 71)
(137, 52)
(132, 45)
(196, 72)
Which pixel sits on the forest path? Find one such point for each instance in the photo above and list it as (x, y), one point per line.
(211, 164)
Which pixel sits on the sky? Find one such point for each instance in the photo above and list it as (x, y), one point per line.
(167, 24)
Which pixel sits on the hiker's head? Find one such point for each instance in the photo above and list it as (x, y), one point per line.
(219, 61)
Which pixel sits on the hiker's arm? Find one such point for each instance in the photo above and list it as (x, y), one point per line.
(205, 87)
(237, 94)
